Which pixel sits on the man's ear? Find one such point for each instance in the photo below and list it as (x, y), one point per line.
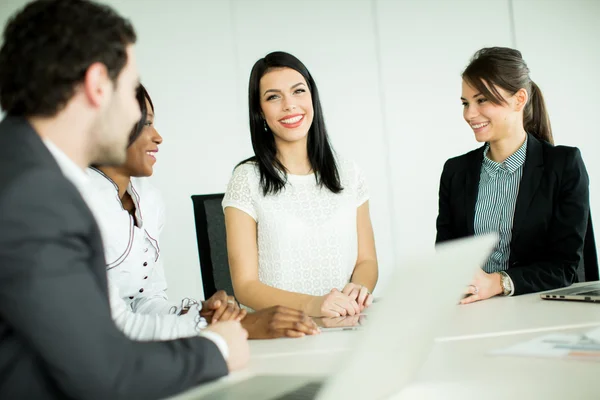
(97, 85)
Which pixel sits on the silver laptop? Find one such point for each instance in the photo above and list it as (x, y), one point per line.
(393, 346)
(589, 293)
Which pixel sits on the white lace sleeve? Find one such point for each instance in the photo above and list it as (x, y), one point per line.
(362, 190)
(239, 191)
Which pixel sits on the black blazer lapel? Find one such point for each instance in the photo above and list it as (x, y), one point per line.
(472, 188)
(532, 174)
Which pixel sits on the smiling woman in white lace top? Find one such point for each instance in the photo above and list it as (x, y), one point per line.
(298, 226)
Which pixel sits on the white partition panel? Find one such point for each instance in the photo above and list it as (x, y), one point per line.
(425, 45)
(560, 41)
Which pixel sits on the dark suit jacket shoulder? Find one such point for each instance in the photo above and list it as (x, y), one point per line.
(550, 217)
(57, 337)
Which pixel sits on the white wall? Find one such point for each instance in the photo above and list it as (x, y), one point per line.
(425, 45)
(560, 40)
(389, 76)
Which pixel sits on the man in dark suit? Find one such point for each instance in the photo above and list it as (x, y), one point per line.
(67, 84)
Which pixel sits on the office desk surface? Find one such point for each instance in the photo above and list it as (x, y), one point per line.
(452, 370)
(325, 342)
(465, 368)
(459, 362)
(493, 317)
(519, 314)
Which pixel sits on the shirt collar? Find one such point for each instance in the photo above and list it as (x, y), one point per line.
(99, 180)
(70, 170)
(511, 164)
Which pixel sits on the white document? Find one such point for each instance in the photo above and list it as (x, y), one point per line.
(584, 346)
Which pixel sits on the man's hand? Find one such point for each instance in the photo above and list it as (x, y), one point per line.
(277, 322)
(237, 343)
(221, 307)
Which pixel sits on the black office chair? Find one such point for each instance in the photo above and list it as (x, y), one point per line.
(212, 243)
(588, 268)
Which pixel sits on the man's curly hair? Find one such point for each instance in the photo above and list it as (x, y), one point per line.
(48, 47)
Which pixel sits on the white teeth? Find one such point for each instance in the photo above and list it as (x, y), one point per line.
(292, 120)
(477, 126)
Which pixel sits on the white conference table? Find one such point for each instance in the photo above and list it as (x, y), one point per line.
(459, 363)
(520, 314)
(465, 369)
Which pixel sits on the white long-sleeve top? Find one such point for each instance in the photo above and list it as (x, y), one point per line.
(137, 284)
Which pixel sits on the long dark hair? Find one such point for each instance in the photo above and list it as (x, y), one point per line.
(504, 67)
(273, 174)
(141, 95)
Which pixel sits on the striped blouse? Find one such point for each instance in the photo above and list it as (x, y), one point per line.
(496, 201)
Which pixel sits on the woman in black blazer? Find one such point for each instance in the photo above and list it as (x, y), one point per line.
(533, 194)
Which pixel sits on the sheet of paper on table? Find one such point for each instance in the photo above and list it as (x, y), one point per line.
(582, 346)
